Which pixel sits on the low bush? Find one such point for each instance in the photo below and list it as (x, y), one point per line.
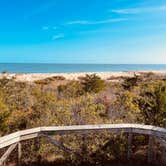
(131, 82)
(93, 83)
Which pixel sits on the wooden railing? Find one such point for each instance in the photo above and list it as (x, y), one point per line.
(14, 140)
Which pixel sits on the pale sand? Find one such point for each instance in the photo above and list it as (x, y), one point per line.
(74, 76)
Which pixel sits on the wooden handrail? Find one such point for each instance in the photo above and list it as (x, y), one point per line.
(152, 131)
(60, 130)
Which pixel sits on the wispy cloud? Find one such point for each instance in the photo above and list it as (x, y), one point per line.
(139, 10)
(45, 28)
(85, 22)
(58, 36)
(80, 22)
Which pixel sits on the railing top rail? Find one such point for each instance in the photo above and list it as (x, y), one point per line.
(35, 132)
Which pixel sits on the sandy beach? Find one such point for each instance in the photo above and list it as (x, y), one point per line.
(31, 77)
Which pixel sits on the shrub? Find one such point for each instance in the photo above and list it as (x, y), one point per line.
(93, 83)
(4, 113)
(130, 82)
(42, 82)
(61, 78)
(71, 89)
(48, 80)
(153, 103)
(24, 105)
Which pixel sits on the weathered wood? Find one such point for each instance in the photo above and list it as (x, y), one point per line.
(150, 149)
(161, 142)
(13, 139)
(19, 154)
(129, 152)
(81, 129)
(7, 153)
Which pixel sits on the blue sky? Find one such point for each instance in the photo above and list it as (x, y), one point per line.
(83, 31)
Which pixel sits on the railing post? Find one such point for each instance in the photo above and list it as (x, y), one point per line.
(19, 154)
(7, 153)
(4, 164)
(150, 149)
(129, 152)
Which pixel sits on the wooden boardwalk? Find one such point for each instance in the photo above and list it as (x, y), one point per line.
(15, 139)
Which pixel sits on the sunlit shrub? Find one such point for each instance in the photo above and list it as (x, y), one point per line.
(152, 103)
(130, 82)
(93, 83)
(71, 89)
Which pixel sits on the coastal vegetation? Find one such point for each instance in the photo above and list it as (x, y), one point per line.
(89, 100)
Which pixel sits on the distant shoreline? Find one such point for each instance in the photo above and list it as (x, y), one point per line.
(31, 77)
(78, 68)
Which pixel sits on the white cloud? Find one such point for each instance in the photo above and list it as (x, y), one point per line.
(85, 22)
(58, 36)
(139, 10)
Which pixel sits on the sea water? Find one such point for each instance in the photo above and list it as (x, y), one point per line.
(68, 68)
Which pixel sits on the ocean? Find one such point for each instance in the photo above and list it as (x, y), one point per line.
(69, 68)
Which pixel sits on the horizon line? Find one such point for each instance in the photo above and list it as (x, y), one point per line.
(84, 63)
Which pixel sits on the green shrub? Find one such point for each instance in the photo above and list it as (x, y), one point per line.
(131, 82)
(90, 84)
(71, 89)
(93, 83)
(152, 103)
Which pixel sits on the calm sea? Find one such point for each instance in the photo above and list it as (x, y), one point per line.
(67, 68)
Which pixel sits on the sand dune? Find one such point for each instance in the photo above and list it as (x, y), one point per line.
(31, 77)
